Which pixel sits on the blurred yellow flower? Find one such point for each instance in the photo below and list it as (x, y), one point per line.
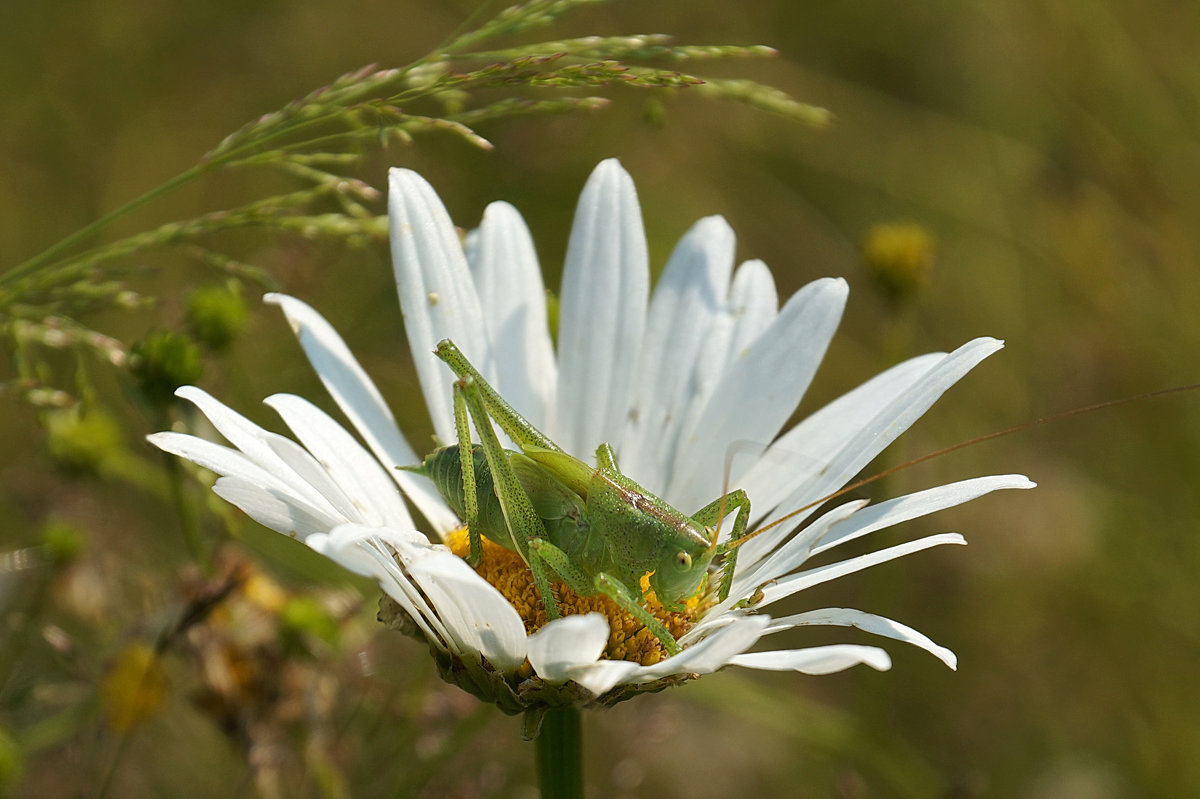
(135, 688)
(899, 256)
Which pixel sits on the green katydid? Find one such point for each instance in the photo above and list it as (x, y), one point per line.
(595, 529)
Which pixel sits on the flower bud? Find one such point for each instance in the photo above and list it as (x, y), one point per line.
(162, 362)
(80, 441)
(899, 256)
(216, 316)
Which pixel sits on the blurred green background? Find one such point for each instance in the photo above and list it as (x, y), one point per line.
(1049, 149)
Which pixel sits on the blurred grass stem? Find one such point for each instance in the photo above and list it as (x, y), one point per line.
(62, 245)
(106, 780)
(414, 779)
(187, 520)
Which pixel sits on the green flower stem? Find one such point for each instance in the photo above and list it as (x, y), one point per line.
(559, 758)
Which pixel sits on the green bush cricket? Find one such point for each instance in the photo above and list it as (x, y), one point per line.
(593, 528)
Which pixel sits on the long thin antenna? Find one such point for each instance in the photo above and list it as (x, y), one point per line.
(1054, 417)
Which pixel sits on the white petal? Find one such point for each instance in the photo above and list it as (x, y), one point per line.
(566, 643)
(816, 660)
(437, 294)
(760, 389)
(246, 436)
(513, 299)
(371, 552)
(690, 295)
(360, 400)
(274, 509)
(230, 462)
(464, 611)
(921, 503)
(868, 622)
(806, 579)
(602, 314)
(355, 470)
(301, 461)
(356, 546)
(214, 457)
(602, 675)
(476, 615)
(889, 423)
(576, 646)
(749, 576)
(816, 538)
(714, 652)
(237, 429)
(754, 305)
(808, 448)
(714, 619)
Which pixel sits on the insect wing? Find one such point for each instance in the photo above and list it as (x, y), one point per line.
(561, 509)
(567, 469)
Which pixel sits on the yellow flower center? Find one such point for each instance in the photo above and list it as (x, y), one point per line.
(628, 639)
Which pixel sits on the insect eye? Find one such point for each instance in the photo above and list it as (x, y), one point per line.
(684, 560)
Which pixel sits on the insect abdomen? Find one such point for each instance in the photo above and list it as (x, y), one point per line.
(444, 467)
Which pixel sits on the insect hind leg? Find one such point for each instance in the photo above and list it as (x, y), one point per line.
(467, 469)
(516, 426)
(522, 521)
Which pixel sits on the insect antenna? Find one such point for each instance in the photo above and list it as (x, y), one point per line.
(731, 452)
(724, 497)
(1017, 428)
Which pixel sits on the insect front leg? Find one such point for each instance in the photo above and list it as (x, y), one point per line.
(524, 525)
(715, 512)
(611, 587)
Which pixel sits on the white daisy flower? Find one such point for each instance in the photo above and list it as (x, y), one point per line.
(672, 379)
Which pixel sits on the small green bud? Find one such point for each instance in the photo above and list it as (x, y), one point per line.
(61, 542)
(654, 113)
(303, 616)
(216, 315)
(80, 441)
(899, 256)
(162, 362)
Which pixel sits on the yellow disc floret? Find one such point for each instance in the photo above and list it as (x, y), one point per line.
(627, 640)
